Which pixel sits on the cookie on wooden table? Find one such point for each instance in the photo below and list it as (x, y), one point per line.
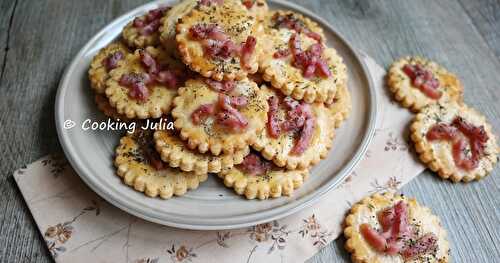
(143, 31)
(455, 141)
(176, 153)
(259, 178)
(219, 117)
(298, 63)
(103, 62)
(145, 83)
(297, 134)
(341, 106)
(140, 166)
(219, 40)
(394, 228)
(417, 82)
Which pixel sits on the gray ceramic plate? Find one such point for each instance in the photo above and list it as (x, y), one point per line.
(211, 206)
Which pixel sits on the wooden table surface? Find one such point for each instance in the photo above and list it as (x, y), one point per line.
(39, 38)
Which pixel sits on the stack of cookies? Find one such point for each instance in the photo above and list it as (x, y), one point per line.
(252, 94)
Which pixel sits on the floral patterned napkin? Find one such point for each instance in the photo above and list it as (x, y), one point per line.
(79, 226)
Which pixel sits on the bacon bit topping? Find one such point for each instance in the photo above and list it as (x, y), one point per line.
(253, 165)
(144, 139)
(137, 84)
(221, 86)
(299, 119)
(151, 22)
(202, 112)
(273, 125)
(210, 2)
(310, 61)
(248, 3)
(291, 22)
(216, 43)
(111, 62)
(170, 78)
(228, 116)
(424, 80)
(149, 62)
(396, 235)
(477, 138)
(282, 53)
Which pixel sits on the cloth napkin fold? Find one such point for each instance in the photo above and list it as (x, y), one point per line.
(79, 226)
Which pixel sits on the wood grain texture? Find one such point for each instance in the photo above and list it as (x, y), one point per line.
(45, 35)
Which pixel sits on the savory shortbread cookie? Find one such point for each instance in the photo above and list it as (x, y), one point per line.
(259, 178)
(105, 61)
(143, 30)
(169, 23)
(455, 141)
(140, 166)
(341, 106)
(294, 21)
(393, 228)
(145, 83)
(219, 40)
(175, 153)
(417, 82)
(103, 105)
(219, 116)
(301, 66)
(297, 135)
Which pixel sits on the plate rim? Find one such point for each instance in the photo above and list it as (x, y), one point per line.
(286, 209)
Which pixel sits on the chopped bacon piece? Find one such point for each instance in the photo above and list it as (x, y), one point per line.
(297, 114)
(221, 86)
(477, 138)
(210, 2)
(149, 62)
(291, 22)
(273, 125)
(386, 218)
(423, 79)
(310, 61)
(111, 62)
(254, 165)
(202, 112)
(314, 36)
(305, 136)
(248, 3)
(239, 101)
(137, 84)
(206, 31)
(229, 117)
(169, 78)
(157, 163)
(247, 49)
(151, 22)
(423, 245)
(375, 239)
(282, 53)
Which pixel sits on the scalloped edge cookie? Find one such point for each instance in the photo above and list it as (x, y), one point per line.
(341, 106)
(274, 184)
(158, 103)
(98, 74)
(169, 23)
(103, 105)
(144, 178)
(192, 52)
(363, 212)
(310, 24)
(273, 149)
(290, 80)
(175, 152)
(133, 39)
(412, 98)
(437, 155)
(196, 93)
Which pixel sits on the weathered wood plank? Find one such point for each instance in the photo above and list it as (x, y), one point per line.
(7, 9)
(485, 14)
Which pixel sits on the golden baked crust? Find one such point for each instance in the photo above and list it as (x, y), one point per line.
(409, 96)
(139, 174)
(341, 106)
(418, 216)
(290, 80)
(271, 22)
(258, 9)
(98, 74)
(208, 136)
(103, 105)
(233, 18)
(175, 152)
(160, 100)
(275, 183)
(134, 39)
(169, 23)
(437, 155)
(278, 149)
